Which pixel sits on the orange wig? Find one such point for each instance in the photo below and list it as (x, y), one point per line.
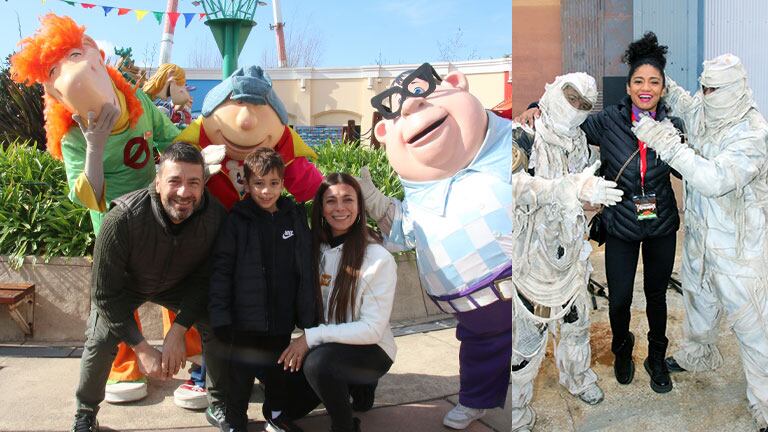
(32, 64)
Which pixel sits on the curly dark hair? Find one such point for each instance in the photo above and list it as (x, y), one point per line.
(645, 51)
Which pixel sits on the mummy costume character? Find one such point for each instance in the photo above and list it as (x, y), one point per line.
(551, 259)
(725, 253)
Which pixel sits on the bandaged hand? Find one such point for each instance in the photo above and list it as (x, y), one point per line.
(661, 136)
(595, 190)
(212, 156)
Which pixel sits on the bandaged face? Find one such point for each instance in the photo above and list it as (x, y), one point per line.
(242, 127)
(433, 137)
(724, 90)
(80, 80)
(567, 101)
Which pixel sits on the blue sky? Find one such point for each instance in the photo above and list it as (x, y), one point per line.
(349, 32)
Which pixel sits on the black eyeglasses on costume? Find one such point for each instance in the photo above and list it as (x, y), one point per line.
(389, 102)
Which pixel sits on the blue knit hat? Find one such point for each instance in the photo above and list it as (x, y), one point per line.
(250, 85)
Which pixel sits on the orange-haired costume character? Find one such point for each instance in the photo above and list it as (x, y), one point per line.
(69, 65)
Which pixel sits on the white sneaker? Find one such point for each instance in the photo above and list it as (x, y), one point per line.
(190, 396)
(125, 391)
(593, 395)
(460, 416)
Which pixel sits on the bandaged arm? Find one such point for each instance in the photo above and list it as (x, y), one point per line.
(741, 159)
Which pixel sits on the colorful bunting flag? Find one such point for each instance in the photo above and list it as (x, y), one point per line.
(173, 17)
(188, 18)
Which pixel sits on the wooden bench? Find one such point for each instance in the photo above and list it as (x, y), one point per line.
(20, 297)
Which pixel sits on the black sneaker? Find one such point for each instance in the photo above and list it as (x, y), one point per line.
(363, 396)
(215, 415)
(281, 424)
(85, 422)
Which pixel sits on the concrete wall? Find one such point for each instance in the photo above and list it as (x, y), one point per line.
(536, 49)
(62, 299)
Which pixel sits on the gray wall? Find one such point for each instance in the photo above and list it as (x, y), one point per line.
(740, 27)
(678, 25)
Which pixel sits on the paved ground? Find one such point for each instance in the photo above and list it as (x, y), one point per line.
(37, 386)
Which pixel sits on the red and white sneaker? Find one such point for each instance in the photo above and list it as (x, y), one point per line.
(190, 396)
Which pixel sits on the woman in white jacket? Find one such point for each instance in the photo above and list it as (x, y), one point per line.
(357, 276)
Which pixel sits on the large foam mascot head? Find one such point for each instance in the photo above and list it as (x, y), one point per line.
(76, 80)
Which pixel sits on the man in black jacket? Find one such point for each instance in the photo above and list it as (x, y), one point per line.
(153, 246)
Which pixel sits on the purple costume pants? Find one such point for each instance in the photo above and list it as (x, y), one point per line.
(485, 354)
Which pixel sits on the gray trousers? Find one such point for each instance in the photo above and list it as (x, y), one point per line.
(101, 348)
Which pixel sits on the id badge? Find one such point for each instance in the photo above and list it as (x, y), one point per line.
(645, 206)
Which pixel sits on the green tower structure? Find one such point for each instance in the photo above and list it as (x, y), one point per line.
(230, 22)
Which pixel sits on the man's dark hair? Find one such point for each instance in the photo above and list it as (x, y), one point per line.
(182, 152)
(261, 161)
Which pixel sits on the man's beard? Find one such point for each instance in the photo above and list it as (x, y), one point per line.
(179, 215)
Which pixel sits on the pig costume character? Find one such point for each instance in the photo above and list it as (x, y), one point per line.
(455, 161)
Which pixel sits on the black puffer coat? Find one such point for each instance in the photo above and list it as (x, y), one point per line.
(262, 272)
(611, 129)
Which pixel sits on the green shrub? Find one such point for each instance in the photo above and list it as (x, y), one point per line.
(21, 111)
(350, 158)
(36, 217)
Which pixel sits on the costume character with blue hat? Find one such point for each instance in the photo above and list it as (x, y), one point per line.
(243, 112)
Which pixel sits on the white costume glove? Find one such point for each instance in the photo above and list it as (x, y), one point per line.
(660, 136)
(378, 205)
(213, 155)
(96, 133)
(595, 190)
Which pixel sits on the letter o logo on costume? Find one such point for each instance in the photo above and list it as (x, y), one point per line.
(136, 153)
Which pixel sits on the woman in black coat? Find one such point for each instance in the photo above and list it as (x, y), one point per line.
(646, 219)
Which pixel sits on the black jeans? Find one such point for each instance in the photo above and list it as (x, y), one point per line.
(330, 369)
(620, 266)
(254, 355)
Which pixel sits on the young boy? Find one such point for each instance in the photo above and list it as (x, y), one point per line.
(261, 288)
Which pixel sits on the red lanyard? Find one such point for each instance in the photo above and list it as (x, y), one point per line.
(643, 162)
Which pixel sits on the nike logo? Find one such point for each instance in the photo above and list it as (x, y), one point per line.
(287, 234)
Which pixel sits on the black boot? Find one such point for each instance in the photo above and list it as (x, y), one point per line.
(623, 366)
(673, 366)
(363, 396)
(656, 367)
